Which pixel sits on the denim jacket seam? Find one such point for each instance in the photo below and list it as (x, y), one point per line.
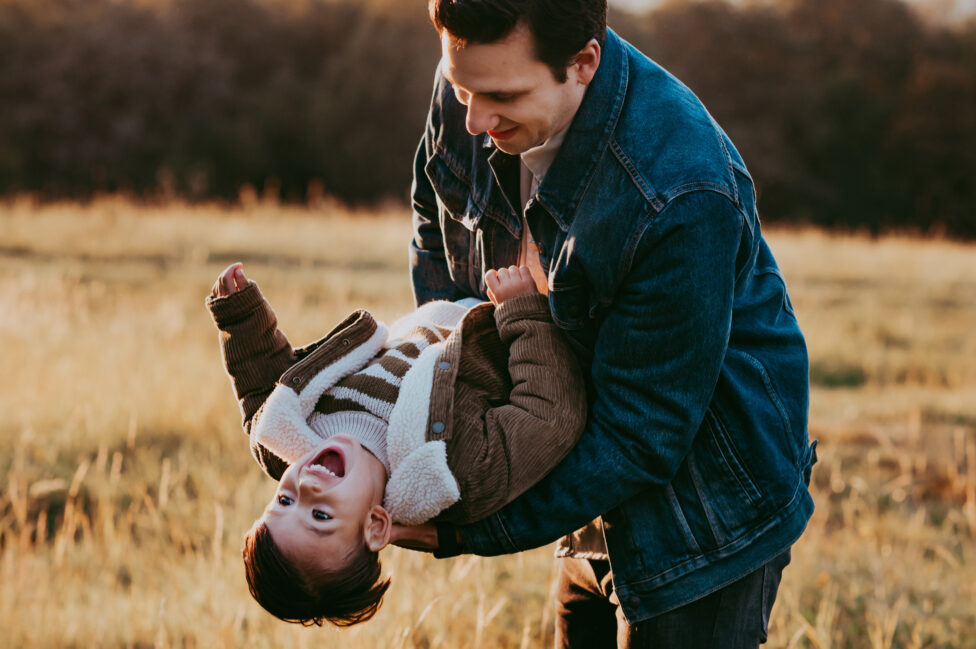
(506, 536)
(682, 520)
(778, 274)
(692, 563)
(697, 185)
(640, 232)
(635, 175)
(771, 391)
(696, 477)
(750, 487)
(751, 220)
(728, 161)
(630, 250)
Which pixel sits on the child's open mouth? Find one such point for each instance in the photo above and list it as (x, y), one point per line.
(332, 461)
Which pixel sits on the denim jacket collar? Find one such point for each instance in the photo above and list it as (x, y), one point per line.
(568, 177)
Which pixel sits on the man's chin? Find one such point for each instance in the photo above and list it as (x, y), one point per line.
(511, 147)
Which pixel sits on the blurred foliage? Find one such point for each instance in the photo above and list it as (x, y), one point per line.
(849, 114)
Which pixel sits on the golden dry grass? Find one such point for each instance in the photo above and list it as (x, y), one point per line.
(125, 481)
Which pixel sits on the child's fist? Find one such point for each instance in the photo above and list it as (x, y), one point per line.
(509, 282)
(231, 280)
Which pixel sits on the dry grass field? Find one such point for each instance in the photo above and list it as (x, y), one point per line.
(125, 481)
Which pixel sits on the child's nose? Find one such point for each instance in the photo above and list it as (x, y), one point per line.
(310, 487)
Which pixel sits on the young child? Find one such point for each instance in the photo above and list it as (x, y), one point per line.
(447, 415)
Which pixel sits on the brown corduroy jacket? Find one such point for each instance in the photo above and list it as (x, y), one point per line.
(509, 405)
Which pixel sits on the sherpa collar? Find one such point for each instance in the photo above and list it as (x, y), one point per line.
(421, 484)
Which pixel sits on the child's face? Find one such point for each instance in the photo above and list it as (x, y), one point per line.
(328, 503)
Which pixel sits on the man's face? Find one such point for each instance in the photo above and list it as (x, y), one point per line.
(509, 93)
(321, 511)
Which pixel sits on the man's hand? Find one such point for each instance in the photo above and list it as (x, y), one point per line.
(231, 280)
(509, 282)
(415, 537)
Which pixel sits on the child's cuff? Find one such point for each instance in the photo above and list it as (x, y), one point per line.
(523, 307)
(228, 309)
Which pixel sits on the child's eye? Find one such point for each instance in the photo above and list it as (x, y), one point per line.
(285, 501)
(320, 515)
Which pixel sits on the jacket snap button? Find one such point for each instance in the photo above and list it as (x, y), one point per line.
(444, 365)
(437, 427)
(296, 380)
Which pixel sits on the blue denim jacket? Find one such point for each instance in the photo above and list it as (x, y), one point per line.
(696, 451)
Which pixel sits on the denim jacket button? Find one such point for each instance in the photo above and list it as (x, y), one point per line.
(437, 427)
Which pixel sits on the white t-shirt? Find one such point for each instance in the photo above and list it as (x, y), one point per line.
(535, 164)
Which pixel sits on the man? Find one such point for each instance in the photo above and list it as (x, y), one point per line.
(552, 143)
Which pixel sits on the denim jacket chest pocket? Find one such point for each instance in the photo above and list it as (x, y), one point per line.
(576, 312)
(459, 216)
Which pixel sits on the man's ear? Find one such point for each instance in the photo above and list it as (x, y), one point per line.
(586, 62)
(377, 528)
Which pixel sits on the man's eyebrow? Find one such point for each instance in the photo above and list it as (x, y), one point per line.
(512, 92)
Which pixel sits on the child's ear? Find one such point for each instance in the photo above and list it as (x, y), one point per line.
(378, 528)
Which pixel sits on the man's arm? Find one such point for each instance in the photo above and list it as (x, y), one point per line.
(656, 363)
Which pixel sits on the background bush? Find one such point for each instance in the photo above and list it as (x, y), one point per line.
(851, 114)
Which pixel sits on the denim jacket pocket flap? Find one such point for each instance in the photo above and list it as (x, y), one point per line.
(570, 305)
(453, 192)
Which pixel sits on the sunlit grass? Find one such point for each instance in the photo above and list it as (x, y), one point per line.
(125, 482)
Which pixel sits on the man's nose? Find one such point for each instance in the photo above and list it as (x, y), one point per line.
(480, 117)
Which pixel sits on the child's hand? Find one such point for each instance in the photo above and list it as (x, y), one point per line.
(509, 282)
(231, 280)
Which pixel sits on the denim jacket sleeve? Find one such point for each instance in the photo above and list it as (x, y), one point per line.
(656, 362)
(428, 265)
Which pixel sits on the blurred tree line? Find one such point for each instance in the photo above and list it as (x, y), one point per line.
(850, 113)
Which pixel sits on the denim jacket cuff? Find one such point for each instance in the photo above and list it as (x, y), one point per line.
(487, 537)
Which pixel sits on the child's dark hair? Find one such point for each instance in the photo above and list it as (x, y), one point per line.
(346, 597)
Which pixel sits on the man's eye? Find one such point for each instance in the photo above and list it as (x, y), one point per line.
(502, 99)
(319, 515)
(284, 501)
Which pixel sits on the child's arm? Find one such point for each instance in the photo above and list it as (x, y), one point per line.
(546, 410)
(255, 352)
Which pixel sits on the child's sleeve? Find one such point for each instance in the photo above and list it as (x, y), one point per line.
(546, 411)
(255, 352)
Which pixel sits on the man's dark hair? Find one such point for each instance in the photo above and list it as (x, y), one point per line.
(349, 596)
(560, 28)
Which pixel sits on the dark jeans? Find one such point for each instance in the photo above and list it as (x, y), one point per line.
(734, 617)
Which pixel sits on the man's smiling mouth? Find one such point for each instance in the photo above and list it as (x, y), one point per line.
(503, 135)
